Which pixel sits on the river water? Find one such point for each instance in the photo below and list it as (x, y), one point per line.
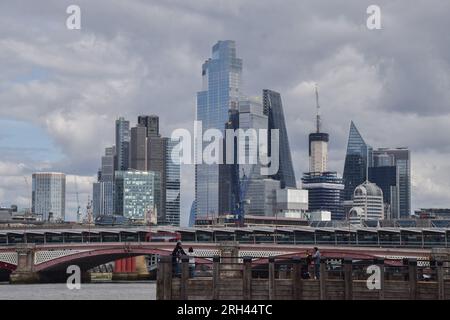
(90, 291)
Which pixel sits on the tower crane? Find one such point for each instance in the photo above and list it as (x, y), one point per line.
(78, 201)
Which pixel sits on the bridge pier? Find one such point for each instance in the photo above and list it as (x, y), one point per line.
(24, 273)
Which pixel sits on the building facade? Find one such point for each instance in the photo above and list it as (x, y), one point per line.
(273, 108)
(221, 75)
(400, 158)
(367, 203)
(357, 161)
(122, 144)
(325, 193)
(137, 194)
(173, 184)
(49, 196)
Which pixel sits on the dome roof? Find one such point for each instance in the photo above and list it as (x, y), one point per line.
(368, 189)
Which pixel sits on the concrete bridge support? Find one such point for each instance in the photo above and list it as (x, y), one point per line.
(24, 274)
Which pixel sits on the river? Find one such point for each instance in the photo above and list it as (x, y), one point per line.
(90, 291)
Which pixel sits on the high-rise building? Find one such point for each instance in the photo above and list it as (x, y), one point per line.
(387, 178)
(103, 189)
(122, 144)
(220, 92)
(137, 194)
(49, 195)
(273, 108)
(401, 159)
(173, 184)
(149, 152)
(138, 148)
(325, 193)
(325, 189)
(367, 203)
(318, 145)
(357, 161)
(151, 123)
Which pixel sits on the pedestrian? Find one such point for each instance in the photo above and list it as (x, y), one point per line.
(176, 258)
(191, 262)
(305, 268)
(316, 259)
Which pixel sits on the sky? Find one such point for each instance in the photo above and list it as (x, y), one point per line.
(61, 89)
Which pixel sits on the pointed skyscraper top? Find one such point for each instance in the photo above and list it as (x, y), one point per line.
(318, 121)
(356, 142)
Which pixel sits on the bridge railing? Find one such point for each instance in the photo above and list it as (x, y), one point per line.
(293, 278)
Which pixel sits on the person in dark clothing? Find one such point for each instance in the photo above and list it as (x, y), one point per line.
(305, 267)
(176, 258)
(316, 257)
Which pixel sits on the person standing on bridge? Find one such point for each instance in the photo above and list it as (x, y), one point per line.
(316, 258)
(177, 253)
(191, 255)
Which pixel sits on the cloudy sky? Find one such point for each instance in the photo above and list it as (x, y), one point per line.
(61, 90)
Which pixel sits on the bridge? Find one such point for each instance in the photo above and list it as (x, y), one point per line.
(28, 263)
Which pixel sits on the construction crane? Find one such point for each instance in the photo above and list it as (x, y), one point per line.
(78, 201)
(239, 211)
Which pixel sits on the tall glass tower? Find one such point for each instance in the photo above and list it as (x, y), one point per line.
(220, 93)
(273, 108)
(357, 161)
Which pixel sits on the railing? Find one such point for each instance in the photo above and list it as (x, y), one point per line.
(231, 279)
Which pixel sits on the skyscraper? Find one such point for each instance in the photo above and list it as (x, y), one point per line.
(138, 148)
(122, 144)
(273, 108)
(151, 123)
(357, 161)
(387, 178)
(325, 189)
(149, 151)
(220, 92)
(318, 145)
(173, 184)
(103, 189)
(49, 195)
(401, 159)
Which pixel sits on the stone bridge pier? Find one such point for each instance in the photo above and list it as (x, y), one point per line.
(24, 272)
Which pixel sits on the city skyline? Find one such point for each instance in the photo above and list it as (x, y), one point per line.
(59, 119)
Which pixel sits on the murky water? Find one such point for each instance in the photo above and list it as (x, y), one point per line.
(91, 291)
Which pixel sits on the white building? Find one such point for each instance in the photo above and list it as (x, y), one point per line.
(292, 203)
(367, 203)
(49, 195)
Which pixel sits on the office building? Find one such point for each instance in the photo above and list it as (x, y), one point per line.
(49, 196)
(400, 158)
(357, 161)
(220, 92)
(137, 195)
(367, 203)
(325, 193)
(291, 203)
(387, 178)
(122, 144)
(173, 184)
(103, 189)
(273, 109)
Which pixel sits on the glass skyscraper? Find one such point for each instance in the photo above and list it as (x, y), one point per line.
(401, 159)
(172, 184)
(220, 92)
(273, 108)
(357, 161)
(122, 144)
(49, 195)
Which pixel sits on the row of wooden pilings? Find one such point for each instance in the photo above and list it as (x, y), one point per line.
(165, 278)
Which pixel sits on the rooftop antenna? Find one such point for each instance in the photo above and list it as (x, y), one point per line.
(318, 121)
